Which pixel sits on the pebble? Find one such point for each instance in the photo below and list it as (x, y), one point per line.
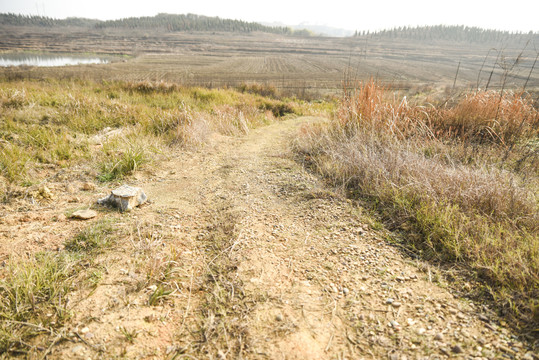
(438, 337)
(88, 186)
(345, 291)
(457, 349)
(389, 301)
(279, 317)
(84, 330)
(78, 349)
(45, 192)
(397, 304)
(84, 214)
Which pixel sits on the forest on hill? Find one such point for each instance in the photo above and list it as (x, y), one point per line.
(193, 22)
(455, 33)
(169, 22)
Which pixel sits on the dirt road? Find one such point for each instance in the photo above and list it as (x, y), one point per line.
(244, 254)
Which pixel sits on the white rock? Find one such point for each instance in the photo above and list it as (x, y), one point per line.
(124, 198)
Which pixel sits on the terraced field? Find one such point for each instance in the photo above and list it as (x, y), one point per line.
(288, 63)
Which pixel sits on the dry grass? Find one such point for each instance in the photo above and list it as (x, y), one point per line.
(116, 127)
(460, 180)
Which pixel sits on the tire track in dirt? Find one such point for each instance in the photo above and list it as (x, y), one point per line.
(302, 274)
(270, 264)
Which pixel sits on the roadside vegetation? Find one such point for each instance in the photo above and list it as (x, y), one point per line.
(460, 181)
(34, 292)
(116, 128)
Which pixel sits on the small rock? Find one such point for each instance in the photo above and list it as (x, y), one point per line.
(397, 304)
(61, 218)
(88, 186)
(45, 192)
(457, 349)
(345, 291)
(84, 330)
(389, 301)
(438, 337)
(78, 349)
(70, 189)
(421, 331)
(279, 317)
(150, 318)
(84, 214)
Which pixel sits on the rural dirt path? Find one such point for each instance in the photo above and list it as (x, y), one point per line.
(268, 264)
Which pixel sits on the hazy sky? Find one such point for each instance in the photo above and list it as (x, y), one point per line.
(521, 15)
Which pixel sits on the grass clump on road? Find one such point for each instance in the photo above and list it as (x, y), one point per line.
(460, 180)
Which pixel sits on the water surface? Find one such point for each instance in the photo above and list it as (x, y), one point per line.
(48, 60)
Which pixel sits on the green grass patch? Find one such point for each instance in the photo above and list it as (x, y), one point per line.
(93, 239)
(34, 292)
(119, 164)
(33, 297)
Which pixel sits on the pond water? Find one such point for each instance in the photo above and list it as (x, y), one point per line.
(48, 60)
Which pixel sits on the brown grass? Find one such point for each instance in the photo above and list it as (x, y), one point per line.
(452, 177)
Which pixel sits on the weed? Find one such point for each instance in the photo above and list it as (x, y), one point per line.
(92, 239)
(33, 298)
(130, 336)
(122, 163)
(13, 162)
(158, 295)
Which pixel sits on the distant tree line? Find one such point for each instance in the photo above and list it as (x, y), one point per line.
(450, 33)
(191, 22)
(169, 22)
(34, 20)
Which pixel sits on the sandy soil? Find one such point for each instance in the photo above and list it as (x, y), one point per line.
(258, 259)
